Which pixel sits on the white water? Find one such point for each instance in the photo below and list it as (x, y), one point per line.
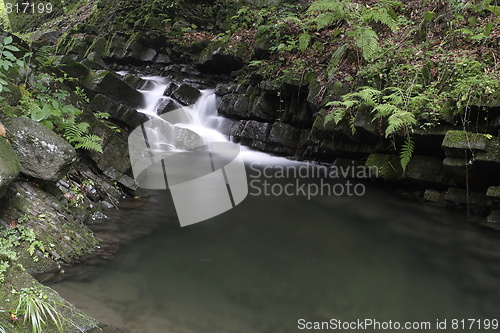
(202, 118)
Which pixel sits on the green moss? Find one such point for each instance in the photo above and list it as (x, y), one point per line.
(17, 279)
(388, 166)
(464, 140)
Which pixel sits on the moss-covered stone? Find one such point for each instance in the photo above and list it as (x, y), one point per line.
(457, 143)
(388, 166)
(42, 153)
(16, 280)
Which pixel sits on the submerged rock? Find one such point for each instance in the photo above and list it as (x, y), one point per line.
(42, 153)
(9, 165)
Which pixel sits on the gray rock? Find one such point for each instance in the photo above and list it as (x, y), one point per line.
(458, 143)
(186, 94)
(9, 165)
(167, 106)
(215, 59)
(108, 84)
(42, 153)
(284, 135)
(118, 111)
(169, 90)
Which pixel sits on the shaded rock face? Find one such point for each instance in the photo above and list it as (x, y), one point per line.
(109, 84)
(9, 165)
(42, 153)
(117, 111)
(214, 59)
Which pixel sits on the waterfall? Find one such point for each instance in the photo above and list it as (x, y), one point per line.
(201, 118)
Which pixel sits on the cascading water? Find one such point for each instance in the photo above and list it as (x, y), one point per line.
(201, 118)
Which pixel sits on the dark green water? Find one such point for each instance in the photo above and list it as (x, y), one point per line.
(274, 260)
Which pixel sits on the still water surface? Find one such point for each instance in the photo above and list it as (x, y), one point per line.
(274, 260)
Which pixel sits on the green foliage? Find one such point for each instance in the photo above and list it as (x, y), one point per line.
(38, 310)
(8, 60)
(357, 17)
(78, 135)
(389, 106)
(406, 152)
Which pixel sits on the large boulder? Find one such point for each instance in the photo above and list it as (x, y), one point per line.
(9, 165)
(42, 153)
(109, 84)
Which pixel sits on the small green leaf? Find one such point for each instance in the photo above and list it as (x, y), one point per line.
(7, 40)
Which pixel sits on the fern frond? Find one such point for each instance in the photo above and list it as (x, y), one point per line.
(406, 152)
(336, 116)
(398, 121)
(385, 110)
(75, 130)
(89, 142)
(381, 15)
(334, 61)
(396, 96)
(367, 40)
(368, 95)
(327, 6)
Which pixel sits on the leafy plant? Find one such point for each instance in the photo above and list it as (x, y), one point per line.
(38, 310)
(406, 152)
(8, 60)
(389, 105)
(357, 18)
(78, 135)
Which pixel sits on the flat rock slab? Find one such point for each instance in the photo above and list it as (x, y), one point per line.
(42, 153)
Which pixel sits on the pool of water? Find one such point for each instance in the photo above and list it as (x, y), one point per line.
(274, 260)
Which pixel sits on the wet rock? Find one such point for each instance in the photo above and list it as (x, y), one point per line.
(255, 130)
(115, 149)
(108, 84)
(137, 82)
(284, 135)
(460, 196)
(186, 94)
(117, 111)
(42, 153)
(94, 62)
(170, 88)
(427, 171)
(9, 165)
(434, 196)
(52, 222)
(167, 106)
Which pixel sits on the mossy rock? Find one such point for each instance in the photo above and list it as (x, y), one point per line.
(16, 279)
(388, 166)
(457, 143)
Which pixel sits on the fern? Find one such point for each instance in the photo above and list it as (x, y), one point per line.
(304, 40)
(89, 142)
(77, 134)
(367, 95)
(380, 15)
(406, 152)
(367, 40)
(334, 61)
(43, 55)
(399, 121)
(336, 116)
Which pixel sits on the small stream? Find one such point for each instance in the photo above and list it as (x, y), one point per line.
(276, 259)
